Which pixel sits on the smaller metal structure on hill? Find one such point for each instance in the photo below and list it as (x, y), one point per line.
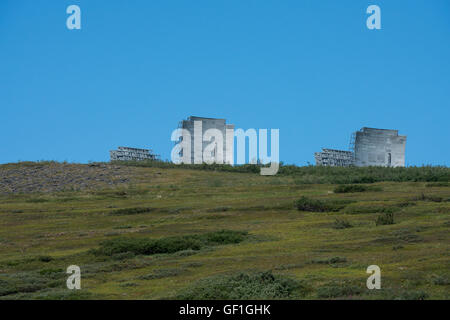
(132, 154)
(334, 158)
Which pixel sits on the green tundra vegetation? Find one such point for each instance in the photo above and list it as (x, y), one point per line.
(161, 231)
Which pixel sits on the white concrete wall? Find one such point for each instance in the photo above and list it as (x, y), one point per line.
(208, 123)
(379, 147)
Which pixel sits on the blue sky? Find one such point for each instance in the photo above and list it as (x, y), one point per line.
(309, 68)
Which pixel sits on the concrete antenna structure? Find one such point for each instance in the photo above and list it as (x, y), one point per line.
(368, 147)
(226, 129)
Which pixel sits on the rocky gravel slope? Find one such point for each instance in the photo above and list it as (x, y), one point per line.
(29, 177)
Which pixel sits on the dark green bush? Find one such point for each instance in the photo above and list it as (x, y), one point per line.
(348, 188)
(245, 286)
(149, 246)
(37, 200)
(6, 288)
(170, 244)
(129, 211)
(219, 209)
(315, 205)
(385, 219)
(23, 283)
(222, 237)
(45, 258)
(332, 260)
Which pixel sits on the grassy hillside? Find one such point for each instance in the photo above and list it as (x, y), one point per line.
(158, 232)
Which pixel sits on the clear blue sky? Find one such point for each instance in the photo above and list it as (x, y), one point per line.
(136, 68)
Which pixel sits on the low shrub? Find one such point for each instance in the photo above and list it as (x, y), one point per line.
(245, 286)
(37, 200)
(23, 283)
(222, 237)
(148, 246)
(169, 244)
(315, 205)
(7, 288)
(349, 188)
(332, 260)
(219, 209)
(128, 285)
(130, 211)
(385, 219)
(45, 258)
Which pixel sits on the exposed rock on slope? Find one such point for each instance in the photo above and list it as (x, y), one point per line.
(28, 177)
